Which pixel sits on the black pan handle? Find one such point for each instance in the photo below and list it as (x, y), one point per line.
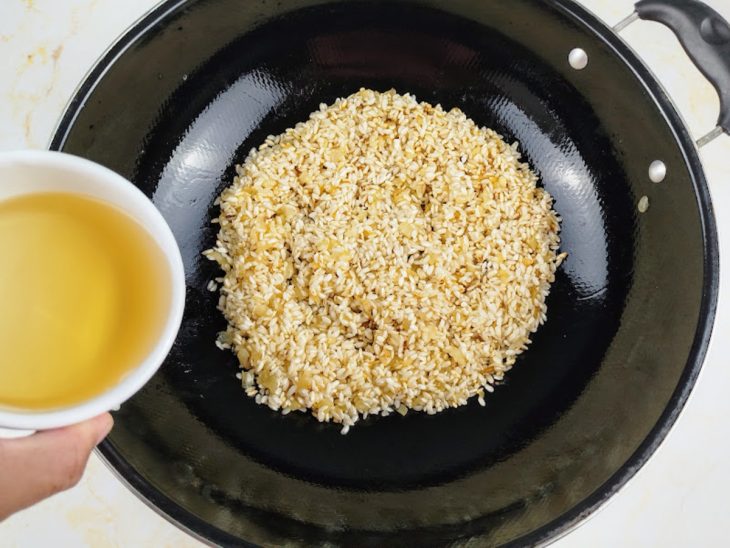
(704, 35)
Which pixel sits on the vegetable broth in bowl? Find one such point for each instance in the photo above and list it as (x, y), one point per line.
(92, 290)
(84, 292)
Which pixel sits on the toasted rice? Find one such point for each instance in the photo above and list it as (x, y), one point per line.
(382, 256)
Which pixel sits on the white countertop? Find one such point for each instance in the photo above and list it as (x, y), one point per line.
(680, 497)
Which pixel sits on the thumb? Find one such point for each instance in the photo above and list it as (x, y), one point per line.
(45, 463)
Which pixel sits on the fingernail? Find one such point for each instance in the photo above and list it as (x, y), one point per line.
(105, 427)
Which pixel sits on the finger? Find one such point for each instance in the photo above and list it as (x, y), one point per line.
(45, 463)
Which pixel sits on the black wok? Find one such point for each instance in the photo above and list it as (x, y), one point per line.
(192, 87)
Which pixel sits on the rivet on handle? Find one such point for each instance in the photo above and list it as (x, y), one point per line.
(657, 171)
(578, 58)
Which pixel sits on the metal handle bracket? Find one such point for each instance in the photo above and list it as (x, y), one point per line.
(705, 37)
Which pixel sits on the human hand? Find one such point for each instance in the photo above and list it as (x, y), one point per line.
(46, 463)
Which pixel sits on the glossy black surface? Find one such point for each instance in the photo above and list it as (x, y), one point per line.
(195, 85)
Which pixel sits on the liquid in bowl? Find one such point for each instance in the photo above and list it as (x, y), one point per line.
(84, 292)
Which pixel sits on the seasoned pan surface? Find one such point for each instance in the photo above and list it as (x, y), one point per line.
(194, 86)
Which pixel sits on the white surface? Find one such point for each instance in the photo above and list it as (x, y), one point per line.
(680, 498)
(31, 171)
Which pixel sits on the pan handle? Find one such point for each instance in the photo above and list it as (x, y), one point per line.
(705, 36)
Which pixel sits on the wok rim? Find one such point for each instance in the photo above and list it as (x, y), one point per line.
(576, 516)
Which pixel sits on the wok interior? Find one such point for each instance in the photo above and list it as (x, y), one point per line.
(211, 80)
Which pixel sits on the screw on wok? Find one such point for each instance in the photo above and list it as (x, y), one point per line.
(578, 58)
(657, 171)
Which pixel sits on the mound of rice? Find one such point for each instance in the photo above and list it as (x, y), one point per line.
(382, 256)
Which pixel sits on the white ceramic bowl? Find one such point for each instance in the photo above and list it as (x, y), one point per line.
(26, 172)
